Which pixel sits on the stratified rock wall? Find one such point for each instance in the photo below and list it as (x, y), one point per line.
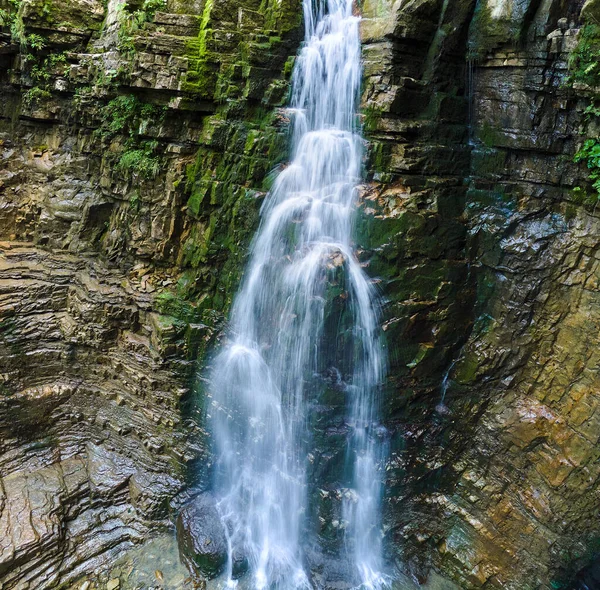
(525, 504)
(494, 471)
(134, 142)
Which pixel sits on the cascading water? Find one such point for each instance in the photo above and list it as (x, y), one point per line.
(264, 381)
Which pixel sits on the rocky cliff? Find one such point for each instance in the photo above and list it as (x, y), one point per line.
(490, 276)
(137, 142)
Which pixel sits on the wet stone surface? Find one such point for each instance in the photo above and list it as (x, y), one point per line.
(201, 536)
(155, 565)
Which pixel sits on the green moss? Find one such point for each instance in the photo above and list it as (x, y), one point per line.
(201, 77)
(423, 350)
(176, 308)
(204, 21)
(240, 144)
(371, 118)
(196, 247)
(485, 32)
(281, 15)
(379, 156)
(289, 66)
(130, 22)
(466, 370)
(489, 135)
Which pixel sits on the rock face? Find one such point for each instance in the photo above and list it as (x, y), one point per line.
(92, 445)
(202, 537)
(490, 273)
(136, 141)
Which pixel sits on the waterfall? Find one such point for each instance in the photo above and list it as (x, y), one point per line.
(266, 380)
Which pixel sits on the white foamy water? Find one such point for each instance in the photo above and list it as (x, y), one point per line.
(263, 382)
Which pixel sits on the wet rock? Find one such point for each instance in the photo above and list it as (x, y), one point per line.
(239, 565)
(588, 578)
(68, 453)
(201, 536)
(521, 408)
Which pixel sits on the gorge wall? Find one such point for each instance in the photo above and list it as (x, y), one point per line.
(137, 142)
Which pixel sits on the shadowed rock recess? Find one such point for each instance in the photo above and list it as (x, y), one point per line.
(137, 142)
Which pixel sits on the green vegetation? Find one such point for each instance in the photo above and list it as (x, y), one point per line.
(5, 18)
(11, 18)
(240, 144)
(201, 77)
(482, 33)
(36, 95)
(584, 67)
(36, 42)
(44, 68)
(132, 21)
(141, 161)
(41, 67)
(590, 153)
(584, 64)
(44, 10)
(371, 118)
(128, 116)
(486, 31)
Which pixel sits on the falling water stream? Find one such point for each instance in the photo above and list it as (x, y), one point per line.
(266, 380)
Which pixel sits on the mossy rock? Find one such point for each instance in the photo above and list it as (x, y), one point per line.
(591, 12)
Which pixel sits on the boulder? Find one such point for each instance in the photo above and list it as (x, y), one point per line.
(201, 537)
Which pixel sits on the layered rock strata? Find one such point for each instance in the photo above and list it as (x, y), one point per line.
(134, 141)
(494, 473)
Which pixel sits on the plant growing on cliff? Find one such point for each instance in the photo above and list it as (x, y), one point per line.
(44, 69)
(128, 116)
(584, 66)
(141, 161)
(9, 13)
(5, 17)
(11, 16)
(35, 42)
(131, 22)
(584, 63)
(41, 73)
(14, 20)
(35, 95)
(590, 154)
